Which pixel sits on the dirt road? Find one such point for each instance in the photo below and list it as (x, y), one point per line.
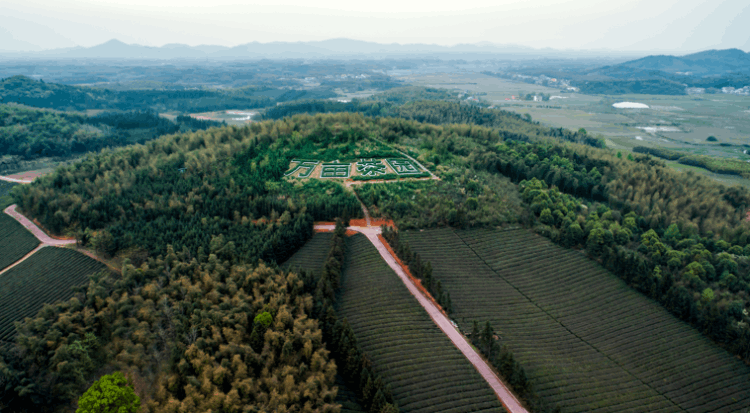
(18, 181)
(503, 392)
(41, 235)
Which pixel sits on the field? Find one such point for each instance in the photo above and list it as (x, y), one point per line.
(426, 372)
(45, 277)
(312, 255)
(15, 241)
(695, 117)
(588, 342)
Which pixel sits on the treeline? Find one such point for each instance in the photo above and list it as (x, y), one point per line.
(30, 133)
(501, 357)
(193, 333)
(21, 89)
(186, 189)
(624, 87)
(700, 279)
(510, 125)
(422, 270)
(713, 164)
(353, 364)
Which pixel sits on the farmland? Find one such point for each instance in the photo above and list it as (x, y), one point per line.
(45, 277)
(586, 340)
(312, 255)
(426, 372)
(15, 241)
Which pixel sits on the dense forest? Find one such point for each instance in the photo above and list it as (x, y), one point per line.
(399, 103)
(21, 89)
(203, 217)
(32, 133)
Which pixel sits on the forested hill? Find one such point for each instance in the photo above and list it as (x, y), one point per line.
(21, 89)
(202, 322)
(27, 133)
(510, 125)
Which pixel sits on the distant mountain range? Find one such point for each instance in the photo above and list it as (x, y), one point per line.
(333, 48)
(701, 64)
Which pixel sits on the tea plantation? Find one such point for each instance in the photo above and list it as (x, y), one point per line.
(15, 241)
(47, 276)
(426, 372)
(588, 342)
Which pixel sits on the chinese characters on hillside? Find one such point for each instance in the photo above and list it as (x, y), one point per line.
(303, 168)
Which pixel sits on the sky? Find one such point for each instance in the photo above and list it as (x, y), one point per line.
(626, 25)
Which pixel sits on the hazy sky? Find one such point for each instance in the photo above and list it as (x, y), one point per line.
(643, 25)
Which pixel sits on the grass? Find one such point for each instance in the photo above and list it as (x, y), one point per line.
(44, 278)
(587, 341)
(15, 241)
(426, 372)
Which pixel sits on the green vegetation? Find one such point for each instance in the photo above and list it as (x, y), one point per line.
(389, 177)
(584, 338)
(426, 371)
(5, 198)
(182, 329)
(21, 89)
(112, 393)
(470, 199)
(32, 133)
(511, 126)
(312, 256)
(47, 276)
(15, 241)
(713, 164)
(421, 270)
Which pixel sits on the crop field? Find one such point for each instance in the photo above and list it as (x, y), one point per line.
(45, 277)
(15, 241)
(426, 372)
(587, 341)
(312, 255)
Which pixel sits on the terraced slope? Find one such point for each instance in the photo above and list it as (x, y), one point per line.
(15, 241)
(426, 372)
(45, 277)
(589, 342)
(312, 255)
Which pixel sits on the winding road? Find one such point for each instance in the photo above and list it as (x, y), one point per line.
(45, 239)
(509, 401)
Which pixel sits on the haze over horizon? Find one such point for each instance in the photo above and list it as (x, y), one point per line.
(666, 26)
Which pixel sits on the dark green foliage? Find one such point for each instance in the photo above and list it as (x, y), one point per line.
(5, 198)
(585, 339)
(15, 241)
(46, 277)
(225, 185)
(181, 328)
(711, 139)
(659, 152)
(422, 270)
(510, 125)
(21, 89)
(32, 133)
(624, 87)
(425, 370)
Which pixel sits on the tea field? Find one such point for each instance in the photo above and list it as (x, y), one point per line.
(15, 241)
(312, 255)
(426, 372)
(45, 277)
(587, 341)
(5, 198)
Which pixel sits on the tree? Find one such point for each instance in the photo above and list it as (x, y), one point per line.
(112, 393)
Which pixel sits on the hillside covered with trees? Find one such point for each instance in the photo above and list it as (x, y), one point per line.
(202, 219)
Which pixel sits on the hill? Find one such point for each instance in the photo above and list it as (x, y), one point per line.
(706, 63)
